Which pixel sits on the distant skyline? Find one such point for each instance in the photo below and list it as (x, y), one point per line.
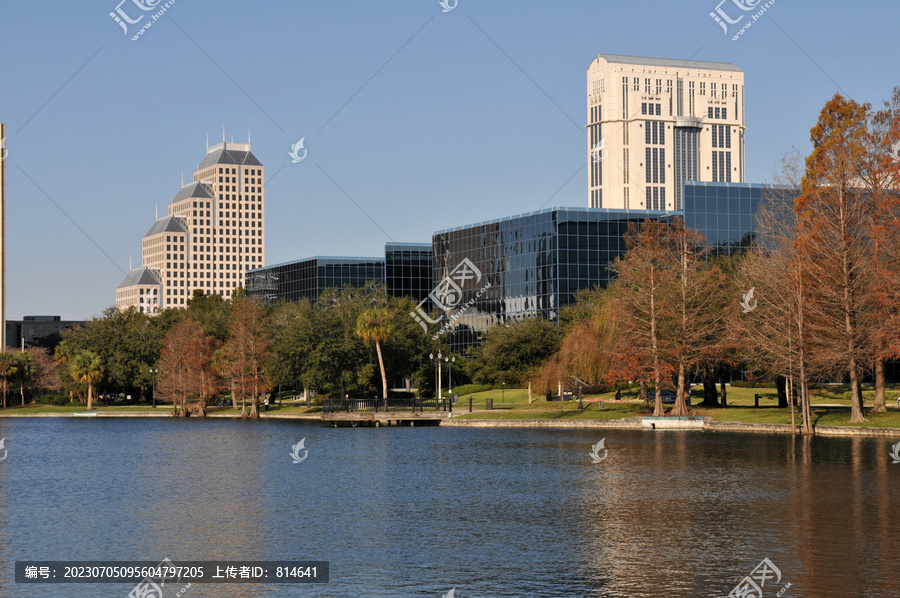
(413, 119)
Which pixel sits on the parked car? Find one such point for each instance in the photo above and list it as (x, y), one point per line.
(668, 396)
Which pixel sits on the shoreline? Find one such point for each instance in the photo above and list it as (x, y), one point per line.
(634, 423)
(628, 423)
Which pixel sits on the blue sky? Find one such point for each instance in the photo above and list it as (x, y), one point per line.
(425, 119)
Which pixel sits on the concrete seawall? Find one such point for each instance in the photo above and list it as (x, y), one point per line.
(632, 423)
(637, 423)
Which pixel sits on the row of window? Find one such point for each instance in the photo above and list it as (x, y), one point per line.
(654, 132)
(721, 167)
(645, 107)
(247, 171)
(656, 165)
(717, 113)
(656, 198)
(721, 136)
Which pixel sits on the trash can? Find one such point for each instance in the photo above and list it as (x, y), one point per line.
(489, 403)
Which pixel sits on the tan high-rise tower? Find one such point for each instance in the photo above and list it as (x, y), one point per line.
(213, 234)
(656, 123)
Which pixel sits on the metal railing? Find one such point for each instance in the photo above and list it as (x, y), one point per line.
(379, 405)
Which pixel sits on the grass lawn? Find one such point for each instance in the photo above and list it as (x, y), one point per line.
(740, 409)
(555, 410)
(512, 403)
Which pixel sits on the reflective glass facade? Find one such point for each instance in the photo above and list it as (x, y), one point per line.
(725, 212)
(408, 270)
(534, 264)
(308, 278)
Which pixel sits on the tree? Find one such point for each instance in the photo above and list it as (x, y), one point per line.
(24, 371)
(185, 367)
(45, 373)
(245, 354)
(87, 368)
(126, 341)
(340, 359)
(376, 325)
(511, 353)
(773, 337)
(588, 348)
(644, 302)
(63, 355)
(880, 173)
(293, 339)
(212, 312)
(7, 372)
(835, 223)
(698, 305)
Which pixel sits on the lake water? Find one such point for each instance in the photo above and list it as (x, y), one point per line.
(420, 511)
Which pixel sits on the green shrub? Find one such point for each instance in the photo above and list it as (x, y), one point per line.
(467, 389)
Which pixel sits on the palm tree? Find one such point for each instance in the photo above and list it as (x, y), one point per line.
(375, 324)
(63, 355)
(87, 368)
(24, 371)
(7, 371)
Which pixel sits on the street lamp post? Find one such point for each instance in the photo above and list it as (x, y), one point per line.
(450, 361)
(580, 406)
(503, 393)
(153, 373)
(431, 355)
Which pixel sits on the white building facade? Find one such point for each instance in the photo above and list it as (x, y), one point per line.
(655, 123)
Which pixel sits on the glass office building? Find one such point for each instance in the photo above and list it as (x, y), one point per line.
(308, 278)
(725, 212)
(533, 264)
(406, 270)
